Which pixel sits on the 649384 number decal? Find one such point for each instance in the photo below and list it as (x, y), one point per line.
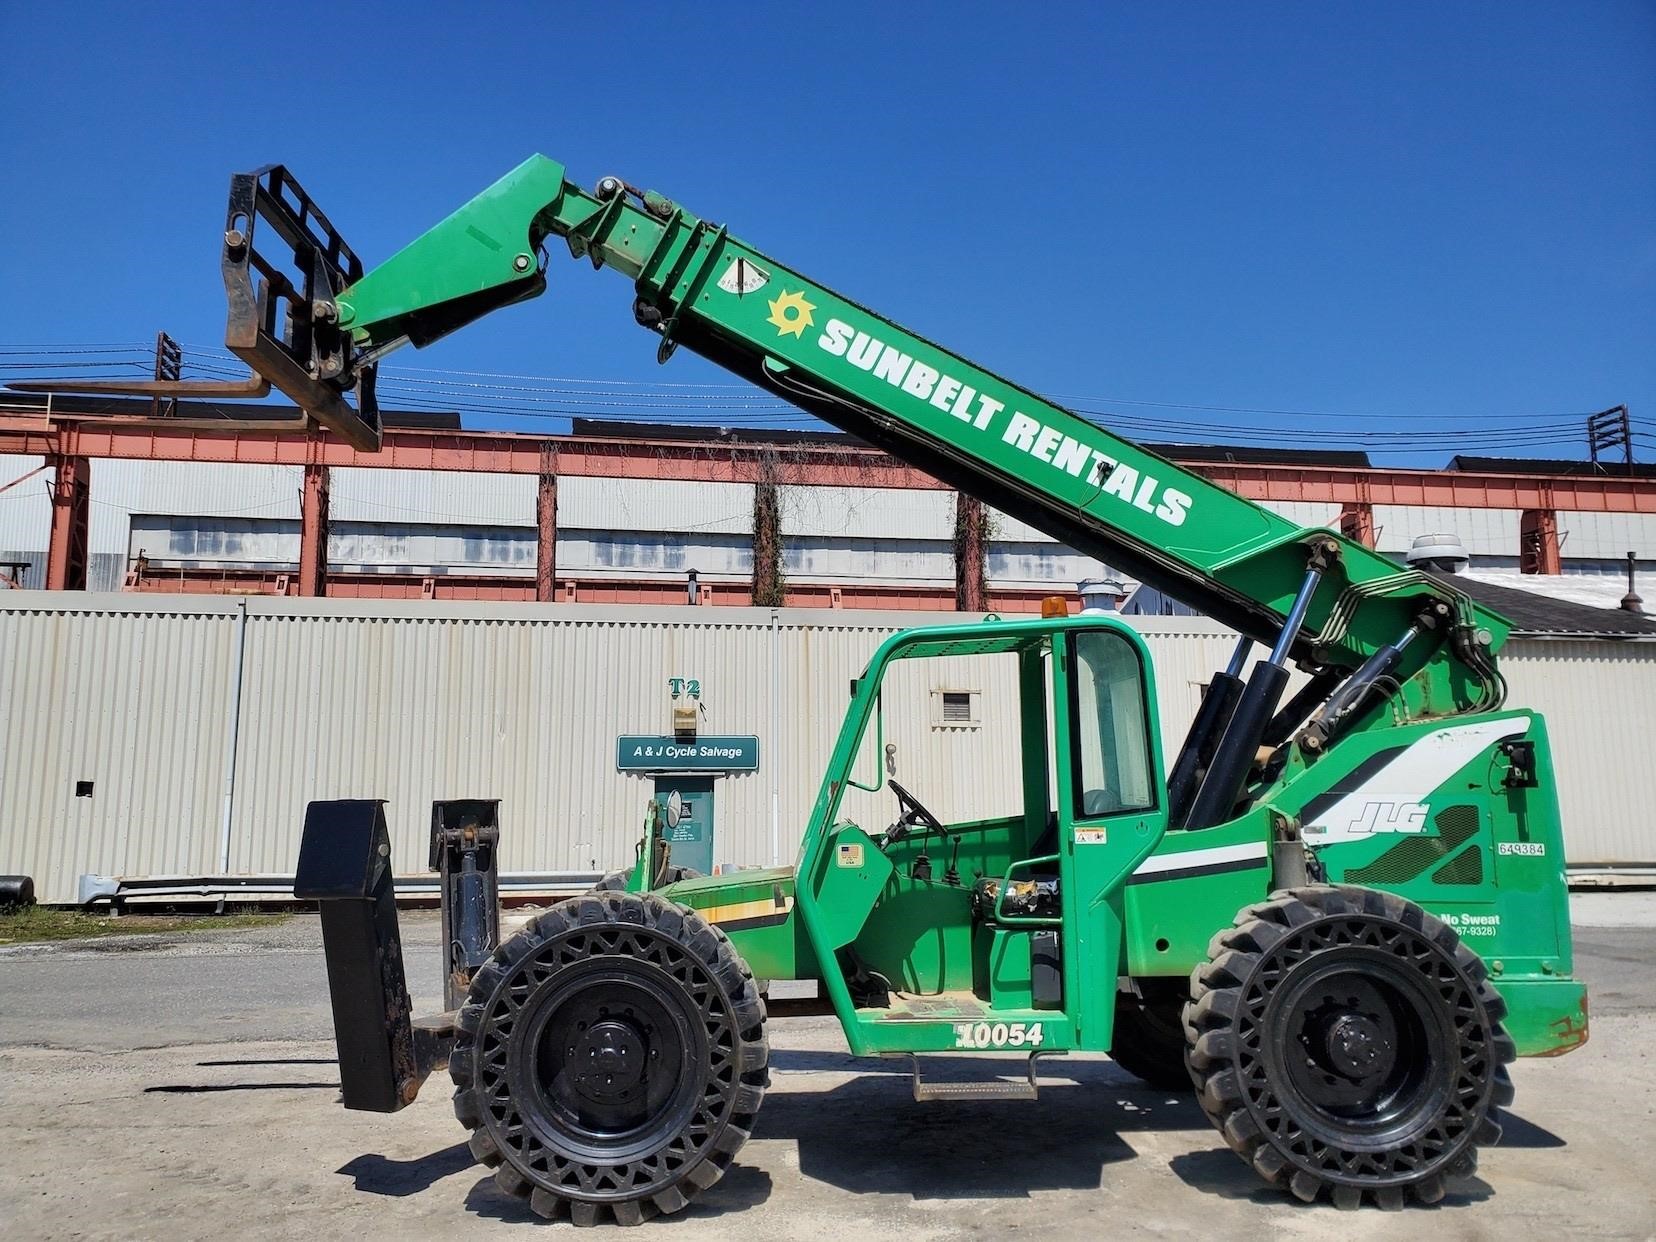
(998, 1034)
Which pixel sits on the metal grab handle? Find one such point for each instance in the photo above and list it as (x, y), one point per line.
(1023, 920)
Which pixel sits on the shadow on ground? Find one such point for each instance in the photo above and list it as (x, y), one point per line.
(743, 1187)
(375, 1174)
(1221, 1173)
(1519, 1132)
(206, 1088)
(210, 1088)
(270, 1061)
(867, 1135)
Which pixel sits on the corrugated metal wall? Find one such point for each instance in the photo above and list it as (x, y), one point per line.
(1305, 513)
(1484, 532)
(419, 701)
(1599, 699)
(26, 508)
(652, 505)
(1607, 536)
(475, 499)
(133, 698)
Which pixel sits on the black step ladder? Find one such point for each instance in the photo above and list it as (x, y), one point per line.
(989, 1089)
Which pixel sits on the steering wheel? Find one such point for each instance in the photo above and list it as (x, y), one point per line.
(913, 812)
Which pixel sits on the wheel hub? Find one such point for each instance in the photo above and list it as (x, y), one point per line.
(607, 1061)
(1355, 1046)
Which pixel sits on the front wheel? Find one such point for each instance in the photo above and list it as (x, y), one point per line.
(610, 1059)
(1346, 1041)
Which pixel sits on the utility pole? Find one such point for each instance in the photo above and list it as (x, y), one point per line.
(1607, 429)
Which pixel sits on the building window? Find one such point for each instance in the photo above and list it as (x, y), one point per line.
(955, 709)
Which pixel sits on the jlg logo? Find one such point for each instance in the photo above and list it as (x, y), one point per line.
(1386, 816)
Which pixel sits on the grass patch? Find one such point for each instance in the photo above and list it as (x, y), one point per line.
(41, 923)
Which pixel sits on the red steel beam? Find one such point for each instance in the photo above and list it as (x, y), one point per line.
(66, 553)
(313, 532)
(546, 537)
(928, 597)
(1538, 547)
(970, 552)
(1357, 523)
(803, 464)
(1446, 488)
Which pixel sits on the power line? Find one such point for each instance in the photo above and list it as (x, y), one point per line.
(512, 397)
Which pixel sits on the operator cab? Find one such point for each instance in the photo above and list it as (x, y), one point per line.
(971, 895)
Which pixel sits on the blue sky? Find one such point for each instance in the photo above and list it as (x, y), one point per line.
(1421, 217)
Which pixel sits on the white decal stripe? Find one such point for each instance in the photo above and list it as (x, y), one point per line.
(1158, 863)
(1415, 775)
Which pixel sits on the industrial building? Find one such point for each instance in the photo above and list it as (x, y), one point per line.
(629, 513)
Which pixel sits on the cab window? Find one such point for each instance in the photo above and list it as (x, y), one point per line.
(1109, 722)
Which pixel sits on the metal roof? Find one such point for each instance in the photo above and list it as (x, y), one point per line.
(1550, 465)
(240, 411)
(1536, 615)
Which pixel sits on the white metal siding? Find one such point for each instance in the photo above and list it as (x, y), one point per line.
(504, 550)
(443, 496)
(1037, 565)
(867, 513)
(186, 489)
(816, 558)
(1305, 513)
(1606, 536)
(417, 701)
(135, 700)
(169, 539)
(1008, 529)
(627, 554)
(653, 505)
(25, 509)
(1485, 532)
(1599, 699)
(527, 709)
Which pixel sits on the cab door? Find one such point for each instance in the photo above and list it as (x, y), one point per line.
(1110, 808)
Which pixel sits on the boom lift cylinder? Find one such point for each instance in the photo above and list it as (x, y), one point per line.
(1305, 700)
(1218, 703)
(1235, 756)
(1346, 703)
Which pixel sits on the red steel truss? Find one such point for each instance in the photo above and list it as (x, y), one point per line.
(67, 445)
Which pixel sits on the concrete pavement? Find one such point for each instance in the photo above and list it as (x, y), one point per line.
(184, 1087)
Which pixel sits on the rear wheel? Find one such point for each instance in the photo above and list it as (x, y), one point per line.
(1149, 1038)
(610, 1059)
(1346, 1041)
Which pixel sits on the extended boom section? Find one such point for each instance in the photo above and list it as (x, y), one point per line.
(698, 287)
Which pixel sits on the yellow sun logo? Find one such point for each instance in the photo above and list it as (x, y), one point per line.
(791, 314)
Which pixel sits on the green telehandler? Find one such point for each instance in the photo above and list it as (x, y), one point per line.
(1336, 913)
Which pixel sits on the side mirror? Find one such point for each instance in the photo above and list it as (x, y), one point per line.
(675, 809)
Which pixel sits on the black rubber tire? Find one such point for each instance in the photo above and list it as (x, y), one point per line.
(1149, 1039)
(537, 1120)
(616, 881)
(1440, 1006)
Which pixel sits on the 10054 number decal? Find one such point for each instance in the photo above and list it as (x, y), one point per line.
(998, 1034)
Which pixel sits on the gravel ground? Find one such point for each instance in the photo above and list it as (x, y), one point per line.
(184, 1087)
